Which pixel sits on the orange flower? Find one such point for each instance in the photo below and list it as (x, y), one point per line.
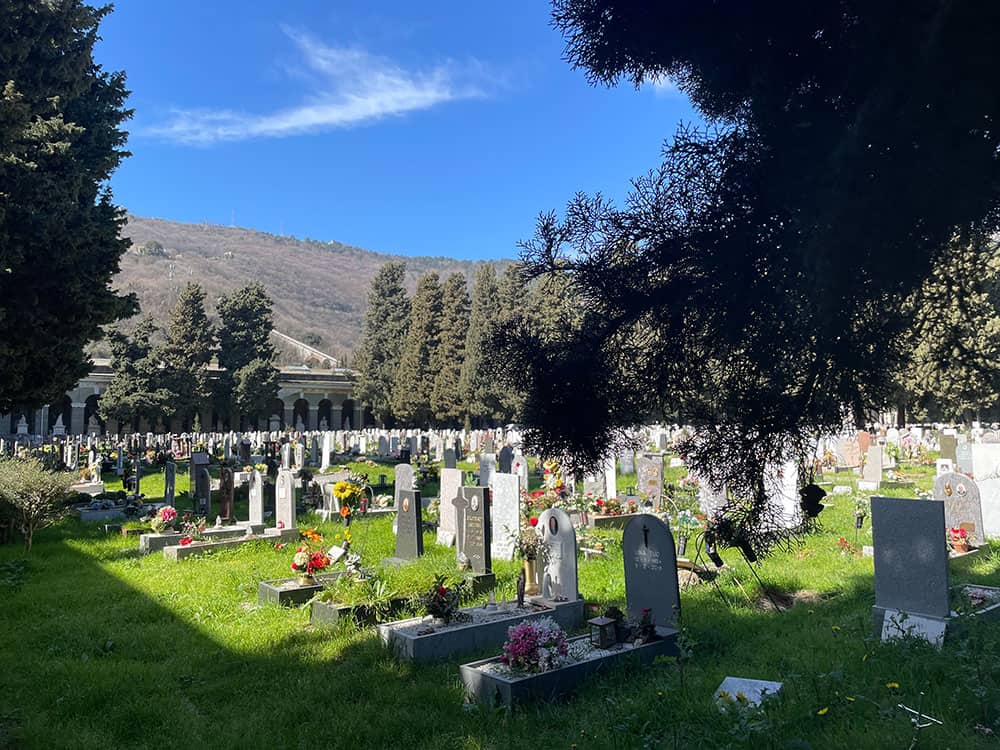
(344, 511)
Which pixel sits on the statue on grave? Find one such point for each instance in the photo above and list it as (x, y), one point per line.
(22, 426)
(59, 428)
(93, 426)
(521, 581)
(324, 425)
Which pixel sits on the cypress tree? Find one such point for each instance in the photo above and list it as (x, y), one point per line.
(61, 138)
(186, 353)
(387, 321)
(135, 390)
(411, 401)
(478, 388)
(249, 381)
(447, 403)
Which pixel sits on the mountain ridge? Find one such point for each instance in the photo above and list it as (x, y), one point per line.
(320, 289)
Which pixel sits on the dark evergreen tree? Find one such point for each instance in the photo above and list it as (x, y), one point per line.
(60, 141)
(411, 401)
(387, 321)
(447, 404)
(185, 354)
(754, 285)
(478, 385)
(135, 390)
(249, 380)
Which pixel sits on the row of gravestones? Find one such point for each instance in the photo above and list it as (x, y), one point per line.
(648, 548)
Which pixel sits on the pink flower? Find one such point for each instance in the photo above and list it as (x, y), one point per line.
(186, 541)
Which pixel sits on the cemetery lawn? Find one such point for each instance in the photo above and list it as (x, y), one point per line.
(102, 648)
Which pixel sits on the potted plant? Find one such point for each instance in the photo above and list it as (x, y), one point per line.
(535, 646)
(959, 539)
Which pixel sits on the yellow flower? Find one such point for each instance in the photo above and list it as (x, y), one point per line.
(835, 628)
(849, 699)
(892, 685)
(823, 711)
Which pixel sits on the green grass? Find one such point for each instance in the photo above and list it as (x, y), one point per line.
(102, 648)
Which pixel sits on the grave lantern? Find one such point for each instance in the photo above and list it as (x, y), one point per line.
(602, 632)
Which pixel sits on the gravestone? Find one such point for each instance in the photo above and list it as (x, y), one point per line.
(478, 529)
(198, 461)
(505, 459)
(521, 470)
(489, 446)
(451, 482)
(325, 451)
(505, 505)
(649, 477)
(949, 444)
(284, 500)
(203, 491)
(911, 558)
(962, 505)
(449, 458)
(943, 466)
(383, 446)
(985, 460)
(873, 466)
(651, 571)
(226, 490)
(314, 451)
(405, 477)
(300, 455)
(409, 526)
(559, 580)
(487, 467)
(864, 442)
(244, 452)
(593, 486)
(627, 463)
(256, 497)
(963, 457)
(169, 481)
(461, 505)
(286, 455)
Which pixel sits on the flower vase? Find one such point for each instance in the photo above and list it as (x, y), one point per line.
(682, 545)
(960, 546)
(530, 578)
(306, 581)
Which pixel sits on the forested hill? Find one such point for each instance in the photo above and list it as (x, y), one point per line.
(320, 289)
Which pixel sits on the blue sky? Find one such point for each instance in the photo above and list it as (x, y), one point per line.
(415, 128)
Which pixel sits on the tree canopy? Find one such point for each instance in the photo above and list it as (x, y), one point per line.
(249, 381)
(60, 243)
(414, 384)
(754, 284)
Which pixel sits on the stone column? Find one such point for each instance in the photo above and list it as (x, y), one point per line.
(42, 421)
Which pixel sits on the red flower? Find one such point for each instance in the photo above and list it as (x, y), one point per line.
(442, 591)
(280, 545)
(186, 541)
(536, 494)
(600, 502)
(533, 521)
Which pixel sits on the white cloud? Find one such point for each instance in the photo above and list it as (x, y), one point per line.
(663, 86)
(352, 87)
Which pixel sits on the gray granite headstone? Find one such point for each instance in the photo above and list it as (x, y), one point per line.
(197, 461)
(627, 463)
(256, 497)
(949, 444)
(461, 506)
(489, 446)
(451, 482)
(487, 466)
(911, 556)
(593, 486)
(651, 570)
(409, 526)
(505, 459)
(962, 504)
(649, 479)
(169, 481)
(286, 455)
(963, 457)
(405, 477)
(226, 492)
(449, 458)
(478, 529)
(284, 499)
(506, 514)
(245, 452)
(873, 465)
(383, 446)
(559, 573)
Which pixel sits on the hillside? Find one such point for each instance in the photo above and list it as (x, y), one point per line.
(319, 289)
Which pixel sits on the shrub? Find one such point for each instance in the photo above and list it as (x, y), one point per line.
(35, 495)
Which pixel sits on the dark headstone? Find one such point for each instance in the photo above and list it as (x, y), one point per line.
(198, 461)
(651, 570)
(449, 459)
(203, 491)
(505, 460)
(169, 482)
(226, 490)
(478, 531)
(911, 557)
(409, 526)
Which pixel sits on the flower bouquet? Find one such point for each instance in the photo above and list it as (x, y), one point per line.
(350, 494)
(441, 602)
(164, 519)
(959, 539)
(192, 530)
(535, 646)
(306, 564)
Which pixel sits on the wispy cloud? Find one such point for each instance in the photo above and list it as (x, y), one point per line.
(351, 87)
(663, 86)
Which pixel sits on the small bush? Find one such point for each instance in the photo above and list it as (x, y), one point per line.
(35, 496)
